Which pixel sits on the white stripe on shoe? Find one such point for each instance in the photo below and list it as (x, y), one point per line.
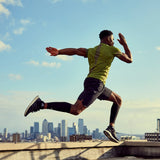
(30, 105)
(109, 135)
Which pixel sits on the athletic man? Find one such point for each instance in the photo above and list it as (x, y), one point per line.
(100, 59)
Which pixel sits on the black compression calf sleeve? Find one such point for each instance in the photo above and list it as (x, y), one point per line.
(59, 106)
(114, 112)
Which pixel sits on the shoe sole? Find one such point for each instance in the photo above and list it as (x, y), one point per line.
(30, 105)
(109, 135)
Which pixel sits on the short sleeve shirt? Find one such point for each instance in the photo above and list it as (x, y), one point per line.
(100, 59)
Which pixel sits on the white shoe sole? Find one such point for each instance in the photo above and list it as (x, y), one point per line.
(109, 135)
(30, 105)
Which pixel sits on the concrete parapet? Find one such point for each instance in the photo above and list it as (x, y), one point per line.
(78, 150)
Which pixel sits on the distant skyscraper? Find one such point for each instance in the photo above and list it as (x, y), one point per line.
(5, 133)
(64, 129)
(158, 125)
(45, 127)
(75, 128)
(59, 130)
(80, 126)
(36, 127)
(26, 134)
(85, 130)
(50, 128)
(31, 132)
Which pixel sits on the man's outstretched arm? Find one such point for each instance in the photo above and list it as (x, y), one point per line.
(67, 51)
(127, 56)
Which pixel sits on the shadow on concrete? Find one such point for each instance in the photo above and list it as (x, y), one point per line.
(145, 150)
(55, 153)
(15, 152)
(78, 156)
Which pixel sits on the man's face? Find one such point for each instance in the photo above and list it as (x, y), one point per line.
(110, 40)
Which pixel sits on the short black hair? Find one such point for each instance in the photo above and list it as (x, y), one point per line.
(105, 33)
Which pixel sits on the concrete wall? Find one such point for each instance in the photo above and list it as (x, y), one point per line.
(77, 150)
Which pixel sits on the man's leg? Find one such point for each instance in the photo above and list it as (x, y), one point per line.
(38, 104)
(74, 109)
(116, 99)
(92, 89)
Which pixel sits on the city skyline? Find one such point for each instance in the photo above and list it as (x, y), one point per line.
(61, 132)
(27, 70)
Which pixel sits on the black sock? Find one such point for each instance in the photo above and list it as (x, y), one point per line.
(114, 112)
(59, 106)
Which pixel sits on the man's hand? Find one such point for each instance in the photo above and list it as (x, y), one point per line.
(122, 40)
(52, 51)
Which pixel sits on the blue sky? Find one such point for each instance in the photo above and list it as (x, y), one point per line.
(28, 27)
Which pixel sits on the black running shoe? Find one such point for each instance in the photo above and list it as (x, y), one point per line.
(111, 134)
(34, 106)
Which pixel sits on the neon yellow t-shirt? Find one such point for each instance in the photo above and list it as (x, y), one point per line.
(100, 59)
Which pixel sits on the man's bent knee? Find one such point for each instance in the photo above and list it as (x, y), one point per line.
(115, 98)
(77, 108)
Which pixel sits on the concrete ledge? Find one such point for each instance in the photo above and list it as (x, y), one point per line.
(78, 150)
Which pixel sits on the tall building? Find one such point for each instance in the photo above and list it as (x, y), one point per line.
(80, 126)
(85, 130)
(26, 134)
(50, 128)
(58, 133)
(45, 127)
(75, 128)
(31, 132)
(64, 128)
(158, 125)
(5, 133)
(36, 127)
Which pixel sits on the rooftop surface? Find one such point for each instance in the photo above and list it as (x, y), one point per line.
(81, 150)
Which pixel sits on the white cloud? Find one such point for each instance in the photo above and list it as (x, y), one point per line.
(32, 62)
(15, 76)
(25, 21)
(12, 2)
(158, 48)
(4, 10)
(4, 46)
(19, 31)
(64, 57)
(52, 64)
(44, 64)
(55, 1)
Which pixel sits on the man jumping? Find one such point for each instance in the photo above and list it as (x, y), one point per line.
(100, 59)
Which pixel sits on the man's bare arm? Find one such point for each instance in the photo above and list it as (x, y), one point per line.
(67, 51)
(127, 56)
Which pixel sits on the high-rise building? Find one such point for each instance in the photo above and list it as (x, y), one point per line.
(26, 134)
(80, 126)
(158, 125)
(36, 127)
(64, 128)
(31, 132)
(5, 133)
(58, 133)
(45, 127)
(85, 130)
(75, 128)
(50, 127)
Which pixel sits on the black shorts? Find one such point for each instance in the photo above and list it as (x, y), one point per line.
(93, 89)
